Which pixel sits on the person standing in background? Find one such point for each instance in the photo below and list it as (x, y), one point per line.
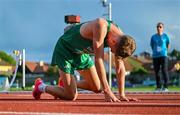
(160, 43)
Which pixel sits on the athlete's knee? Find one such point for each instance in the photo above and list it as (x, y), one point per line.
(97, 89)
(72, 96)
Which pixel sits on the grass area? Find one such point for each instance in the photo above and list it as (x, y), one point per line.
(135, 64)
(148, 88)
(151, 88)
(18, 89)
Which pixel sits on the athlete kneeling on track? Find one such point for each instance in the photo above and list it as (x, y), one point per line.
(72, 53)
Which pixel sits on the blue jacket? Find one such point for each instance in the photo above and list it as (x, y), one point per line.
(159, 44)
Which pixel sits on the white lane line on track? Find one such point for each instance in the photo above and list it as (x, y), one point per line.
(94, 104)
(45, 113)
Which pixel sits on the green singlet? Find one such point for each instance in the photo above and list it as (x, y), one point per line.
(72, 51)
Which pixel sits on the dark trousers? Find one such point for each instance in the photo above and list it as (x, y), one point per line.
(161, 63)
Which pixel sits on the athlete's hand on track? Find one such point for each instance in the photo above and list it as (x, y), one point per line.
(110, 97)
(124, 98)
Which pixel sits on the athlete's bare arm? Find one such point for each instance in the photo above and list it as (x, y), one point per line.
(120, 74)
(97, 30)
(99, 33)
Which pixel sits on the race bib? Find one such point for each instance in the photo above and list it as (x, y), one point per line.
(159, 49)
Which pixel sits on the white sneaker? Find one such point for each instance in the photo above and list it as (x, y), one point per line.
(165, 90)
(157, 90)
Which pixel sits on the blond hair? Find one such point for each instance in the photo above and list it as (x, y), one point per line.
(126, 46)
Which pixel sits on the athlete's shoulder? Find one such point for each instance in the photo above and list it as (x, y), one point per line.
(100, 21)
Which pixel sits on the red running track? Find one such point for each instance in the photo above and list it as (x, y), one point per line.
(150, 103)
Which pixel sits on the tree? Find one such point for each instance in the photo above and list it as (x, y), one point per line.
(7, 58)
(52, 71)
(175, 53)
